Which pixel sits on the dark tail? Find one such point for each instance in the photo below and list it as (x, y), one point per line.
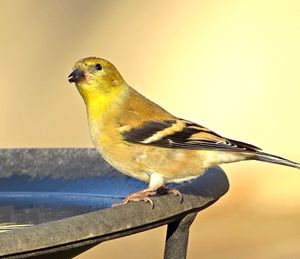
(265, 157)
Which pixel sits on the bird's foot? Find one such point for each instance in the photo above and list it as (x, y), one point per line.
(143, 195)
(165, 190)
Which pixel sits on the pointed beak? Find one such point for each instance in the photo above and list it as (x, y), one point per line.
(76, 76)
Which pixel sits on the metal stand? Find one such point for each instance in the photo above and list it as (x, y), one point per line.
(177, 237)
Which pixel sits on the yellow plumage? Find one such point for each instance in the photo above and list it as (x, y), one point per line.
(144, 141)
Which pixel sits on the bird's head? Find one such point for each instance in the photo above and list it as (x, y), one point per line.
(93, 76)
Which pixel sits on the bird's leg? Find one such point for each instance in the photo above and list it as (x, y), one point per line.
(156, 186)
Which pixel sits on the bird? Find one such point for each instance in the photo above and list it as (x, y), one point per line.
(144, 141)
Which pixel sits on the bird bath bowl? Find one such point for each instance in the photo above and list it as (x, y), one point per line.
(57, 202)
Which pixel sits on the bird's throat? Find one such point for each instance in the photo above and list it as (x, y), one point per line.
(98, 101)
(96, 104)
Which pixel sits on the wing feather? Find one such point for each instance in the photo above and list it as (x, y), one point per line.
(182, 134)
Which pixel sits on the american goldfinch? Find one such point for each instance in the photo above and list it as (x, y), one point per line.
(142, 140)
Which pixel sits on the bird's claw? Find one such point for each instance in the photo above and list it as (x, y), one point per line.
(143, 195)
(165, 190)
(139, 196)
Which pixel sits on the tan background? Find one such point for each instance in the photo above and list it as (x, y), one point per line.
(232, 66)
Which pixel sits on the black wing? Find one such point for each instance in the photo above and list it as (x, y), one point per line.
(182, 134)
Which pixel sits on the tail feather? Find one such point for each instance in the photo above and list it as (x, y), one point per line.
(265, 157)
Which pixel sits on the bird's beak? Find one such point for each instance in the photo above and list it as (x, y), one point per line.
(76, 76)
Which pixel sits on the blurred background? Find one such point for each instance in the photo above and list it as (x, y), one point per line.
(232, 66)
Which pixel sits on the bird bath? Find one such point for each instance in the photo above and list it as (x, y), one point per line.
(57, 202)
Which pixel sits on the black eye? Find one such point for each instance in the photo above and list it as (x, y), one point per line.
(98, 66)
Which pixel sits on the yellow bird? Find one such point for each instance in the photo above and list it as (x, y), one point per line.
(142, 140)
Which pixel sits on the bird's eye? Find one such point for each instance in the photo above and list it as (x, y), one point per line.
(98, 66)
